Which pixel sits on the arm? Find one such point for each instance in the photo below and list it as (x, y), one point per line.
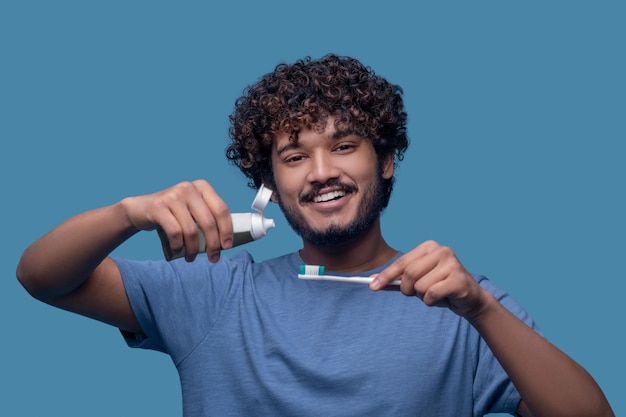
(550, 382)
(69, 266)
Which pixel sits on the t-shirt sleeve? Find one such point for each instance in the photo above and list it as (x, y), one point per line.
(175, 303)
(493, 390)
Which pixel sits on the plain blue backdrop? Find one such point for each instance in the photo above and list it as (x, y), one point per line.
(516, 116)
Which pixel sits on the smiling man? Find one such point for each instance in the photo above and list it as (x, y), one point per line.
(250, 338)
(331, 188)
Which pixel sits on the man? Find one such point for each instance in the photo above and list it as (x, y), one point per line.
(251, 338)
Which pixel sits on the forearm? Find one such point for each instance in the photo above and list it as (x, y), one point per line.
(60, 261)
(550, 382)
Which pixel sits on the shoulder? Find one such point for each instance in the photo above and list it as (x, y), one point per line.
(507, 300)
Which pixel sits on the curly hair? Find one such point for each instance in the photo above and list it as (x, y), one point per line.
(304, 95)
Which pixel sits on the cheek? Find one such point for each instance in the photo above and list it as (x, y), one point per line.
(289, 179)
(362, 172)
(286, 186)
(360, 165)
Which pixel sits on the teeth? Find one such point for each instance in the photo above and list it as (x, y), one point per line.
(328, 196)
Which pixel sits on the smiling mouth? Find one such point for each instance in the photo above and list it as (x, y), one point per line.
(333, 195)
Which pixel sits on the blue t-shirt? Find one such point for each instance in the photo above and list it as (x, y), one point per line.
(251, 339)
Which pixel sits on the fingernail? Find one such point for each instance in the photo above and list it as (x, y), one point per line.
(227, 244)
(374, 284)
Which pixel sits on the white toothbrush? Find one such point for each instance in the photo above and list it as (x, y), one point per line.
(316, 273)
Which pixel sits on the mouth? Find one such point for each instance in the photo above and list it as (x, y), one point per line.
(323, 193)
(329, 196)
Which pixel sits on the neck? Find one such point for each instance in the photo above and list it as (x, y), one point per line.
(363, 253)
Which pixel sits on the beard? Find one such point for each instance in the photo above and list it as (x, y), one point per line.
(333, 235)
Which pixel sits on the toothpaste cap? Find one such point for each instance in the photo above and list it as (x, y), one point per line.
(262, 198)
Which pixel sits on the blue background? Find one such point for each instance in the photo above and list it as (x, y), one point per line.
(516, 111)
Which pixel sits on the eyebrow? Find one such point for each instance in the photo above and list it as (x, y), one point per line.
(286, 148)
(294, 145)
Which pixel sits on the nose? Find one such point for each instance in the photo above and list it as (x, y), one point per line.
(323, 168)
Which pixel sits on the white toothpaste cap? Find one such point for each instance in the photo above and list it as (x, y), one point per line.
(262, 198)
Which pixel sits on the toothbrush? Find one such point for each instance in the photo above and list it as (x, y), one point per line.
(316, 273)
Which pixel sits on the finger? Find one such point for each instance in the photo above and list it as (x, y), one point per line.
(434, 287)
(172, 229)
(438, 265)
(388, 287)
(188, 228)
(459, 292)
(199, 227)
(449, 284)
(168, 210)
(221, 214)
(452, 293)
(397, 270)
(438, 294)
(182, 230)
(213, 218)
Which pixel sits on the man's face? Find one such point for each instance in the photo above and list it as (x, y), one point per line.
(329, 185)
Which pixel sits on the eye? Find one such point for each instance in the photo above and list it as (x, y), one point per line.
(344, 147)
(293, 158)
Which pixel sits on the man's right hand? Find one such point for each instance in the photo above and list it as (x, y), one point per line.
(180, 210)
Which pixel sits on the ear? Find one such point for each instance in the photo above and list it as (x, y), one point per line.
(388, 165)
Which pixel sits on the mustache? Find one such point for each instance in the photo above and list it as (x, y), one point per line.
(335, 184)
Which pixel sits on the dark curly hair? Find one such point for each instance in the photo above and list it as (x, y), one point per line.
(304, 95)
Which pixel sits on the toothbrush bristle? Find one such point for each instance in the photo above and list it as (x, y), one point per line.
(312, 270)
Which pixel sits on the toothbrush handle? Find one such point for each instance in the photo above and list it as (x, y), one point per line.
(355, 280)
